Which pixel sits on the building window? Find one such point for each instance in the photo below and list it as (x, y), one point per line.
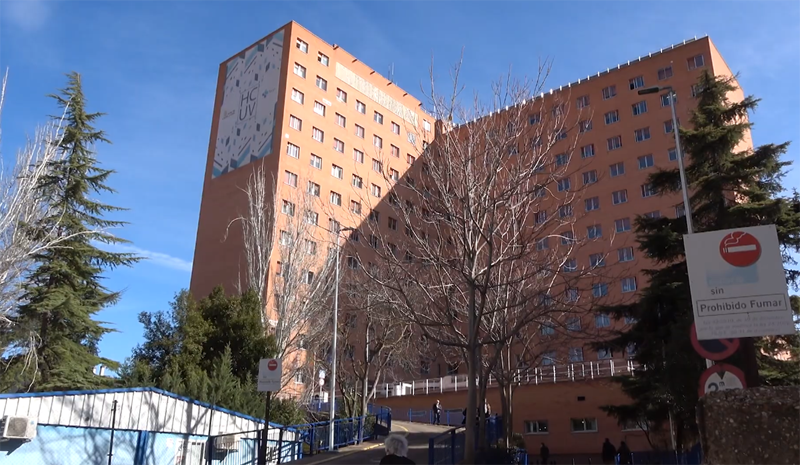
(582, 101)
(696, 89)
(341, 120)
(361, 107)
(298, 96)
(392, 224)
(319, 108)
(377, 141)
(614, 143)
(611, 117)
(585, 126)
(602, 320)
(665, 99)
(592, 203)
(290, 179)
(594, 231)
(352, 263)
(395, 151)
(572, 295)
(645, 161)
(336, 198)
(604, 353)
(376, 190)
(534, 118)
(652, 215)
(583, 425)
(317, 135)
(636, 83)
(337, 171)
(609, 92)
(395, 128)
(570, 265)
(648, 190)
(625, 254)
(394, 174)
(286, 239)
(300, 70)
(338, 145)
(295, 123)
(536, 427)
(617, 169)
(359, 131)
(312, 217)
(334, 227)
(411, 138)
(311, 247)
(695, 62)
(302, 46)
(668, 127)
(618, 197)
(292, 150)
(639, 108)
(316, 161)
(562, 159)
(575, 354)
(561, 135)
(673, 154)
(587, 151)
(355, 207)
(341, 95)
(313, 189)
(589, 177)
(287, 208)
(563, 185)
(322, 58)
(322, 83)
(680, 210)
(623, 224)
(597, 260)
(377, 166)
(378, 118)
(628, 284)
(665, 73)
(358, 156)
(542, 244)
(410, 159)
(565, 211)
(641, 135)
(540, 217)
(600, 290)
(358, 183)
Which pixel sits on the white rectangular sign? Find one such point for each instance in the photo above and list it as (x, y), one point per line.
(738, 283)
(269, 375)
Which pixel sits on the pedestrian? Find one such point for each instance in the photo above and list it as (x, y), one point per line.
(487, 409)
(544, 453)
(437, 413)
(625, 457)
(464, 420)
(609, 452)
(396, 450)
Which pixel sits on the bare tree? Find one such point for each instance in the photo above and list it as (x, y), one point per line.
(22, 205)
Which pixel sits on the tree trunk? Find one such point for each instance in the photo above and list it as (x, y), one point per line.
(508, 413)
(472, 369)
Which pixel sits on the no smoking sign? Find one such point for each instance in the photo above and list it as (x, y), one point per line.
(740, 249)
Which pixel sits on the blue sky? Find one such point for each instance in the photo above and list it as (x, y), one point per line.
(151, 66)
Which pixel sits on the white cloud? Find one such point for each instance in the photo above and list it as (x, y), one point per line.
(158, 258)
(29, 15)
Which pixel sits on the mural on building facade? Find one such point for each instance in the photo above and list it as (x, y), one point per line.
(246, 121)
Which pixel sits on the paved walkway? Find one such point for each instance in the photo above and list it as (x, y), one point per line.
(372, 452)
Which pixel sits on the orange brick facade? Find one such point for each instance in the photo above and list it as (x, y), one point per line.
(322, 123)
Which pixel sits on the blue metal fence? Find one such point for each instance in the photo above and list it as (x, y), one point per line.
(449, 447)
(315, 437)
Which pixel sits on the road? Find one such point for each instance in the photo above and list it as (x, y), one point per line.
(416, 433)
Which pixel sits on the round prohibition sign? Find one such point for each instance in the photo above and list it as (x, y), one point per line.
(714, 349)
(272, 365)
(740, 249)
(721, 377)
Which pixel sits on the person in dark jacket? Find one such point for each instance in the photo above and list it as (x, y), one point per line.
(624, 454)
(396, 450)
(544, 453)
(609, 452)
(437, 413)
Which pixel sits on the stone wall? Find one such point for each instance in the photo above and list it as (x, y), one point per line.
(751, 426)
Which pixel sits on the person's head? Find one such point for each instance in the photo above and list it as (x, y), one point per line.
(607, 440)
(543, 445)
(396, 445)
(622, 444)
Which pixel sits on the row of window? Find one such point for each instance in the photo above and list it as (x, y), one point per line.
(577, 425)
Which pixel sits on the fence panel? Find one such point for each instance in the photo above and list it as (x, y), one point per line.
(244, 448)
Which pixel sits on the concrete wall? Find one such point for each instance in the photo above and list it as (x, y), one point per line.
(760, 425)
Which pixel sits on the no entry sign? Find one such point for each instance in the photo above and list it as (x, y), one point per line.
(269, 375)
(740, 249)
(714, 349)
(721, 377)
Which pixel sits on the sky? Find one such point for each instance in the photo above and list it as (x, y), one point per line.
(152, 67)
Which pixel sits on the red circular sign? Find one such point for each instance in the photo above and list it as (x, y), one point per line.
(740, 249)
(714, 349)
(723, 374)
(272, 365)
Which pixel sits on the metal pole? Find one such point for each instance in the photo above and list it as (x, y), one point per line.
(113, 426)
(687, 208)
(262, 455)
(331, 406)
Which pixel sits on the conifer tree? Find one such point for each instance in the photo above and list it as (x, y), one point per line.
(731, 186)
(55, 335)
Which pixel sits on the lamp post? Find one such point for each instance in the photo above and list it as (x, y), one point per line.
(332, 397)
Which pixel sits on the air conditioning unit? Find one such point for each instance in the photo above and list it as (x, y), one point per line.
(229, 442)
(18, 428)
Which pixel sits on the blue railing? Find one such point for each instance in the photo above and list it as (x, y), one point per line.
(315, 437)
(449, 447)
(693, 457)
(319, 406)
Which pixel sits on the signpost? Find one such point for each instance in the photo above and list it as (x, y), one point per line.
(721, 377)
(714, 349)
(270, 372)
(738, 284)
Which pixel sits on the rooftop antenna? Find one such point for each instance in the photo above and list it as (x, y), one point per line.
(391, 73)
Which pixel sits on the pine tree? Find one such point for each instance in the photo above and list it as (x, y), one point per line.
(65, 291)
(732, 186)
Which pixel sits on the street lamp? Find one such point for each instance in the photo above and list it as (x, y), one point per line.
(332, 399)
